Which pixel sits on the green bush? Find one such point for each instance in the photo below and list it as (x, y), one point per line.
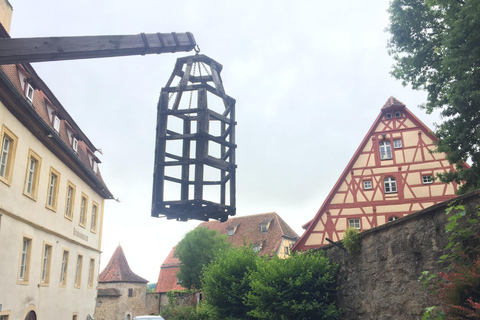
(352, 240)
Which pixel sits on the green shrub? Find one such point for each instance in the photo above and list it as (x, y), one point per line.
(352, 240)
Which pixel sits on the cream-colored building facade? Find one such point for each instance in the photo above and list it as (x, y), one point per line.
(51, 203)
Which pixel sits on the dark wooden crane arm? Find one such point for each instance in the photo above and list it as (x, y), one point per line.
(26, 50)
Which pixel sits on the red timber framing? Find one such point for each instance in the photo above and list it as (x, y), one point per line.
(389, 176)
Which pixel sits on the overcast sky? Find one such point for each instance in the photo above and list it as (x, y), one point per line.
(309, 78)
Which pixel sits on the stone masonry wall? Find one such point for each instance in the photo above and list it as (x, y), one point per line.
(381, 281)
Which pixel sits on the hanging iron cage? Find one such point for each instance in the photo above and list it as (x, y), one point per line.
(194, 174)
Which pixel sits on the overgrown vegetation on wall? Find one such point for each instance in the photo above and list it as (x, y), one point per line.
(459, 289)
(352, 240)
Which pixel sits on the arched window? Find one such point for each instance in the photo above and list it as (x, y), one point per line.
(385, 150)
(390, 185)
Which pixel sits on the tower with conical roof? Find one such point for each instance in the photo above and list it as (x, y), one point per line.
(392, 174)
(122, 294)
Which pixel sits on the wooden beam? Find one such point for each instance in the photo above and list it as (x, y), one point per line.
(26, 50)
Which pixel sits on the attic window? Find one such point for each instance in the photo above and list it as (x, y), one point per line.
(398, 114)
(94, 166)
(264, 227)
(29, 92)
(256, 247)
(74, 144)
(56, 123)
(388, 116)
(230, 231)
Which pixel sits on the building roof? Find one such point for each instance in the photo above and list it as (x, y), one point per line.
(37, 116)
(246, 229)
(117, 270)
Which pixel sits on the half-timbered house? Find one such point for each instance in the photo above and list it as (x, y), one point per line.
(392, 174)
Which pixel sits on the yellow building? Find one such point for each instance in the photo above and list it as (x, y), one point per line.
(392, 174)
(51, 202)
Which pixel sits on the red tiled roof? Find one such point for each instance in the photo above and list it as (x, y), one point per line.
(117, 270)
(167, 279)
(392, 102)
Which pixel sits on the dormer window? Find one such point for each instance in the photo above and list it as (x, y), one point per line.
(74, 144)
(29, 92)
(95, 166)
(264, 227)
(230, 231)
(56, 123)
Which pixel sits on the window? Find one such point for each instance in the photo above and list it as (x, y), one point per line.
(83, 210)
(397, 143)
(46, 261)
(392, 218)
(230, 231)
(93, 226)
(29, 92)
(7, 154)
(52, 196)
(32, 176)
(75, 317)
(264, 226)
(256, 248)
(367, 184)
(398, 114)
(4, 316)
(286, 250)
(91, 270)
(94, 166)
(354, 223)
(74, 144)
(385, 150)
(56, 123)
(130, 292)
(63, 271)
(388, 116)
(427, 179)
(78, 271)
(25, 260)
(390, 185)
(70, 200)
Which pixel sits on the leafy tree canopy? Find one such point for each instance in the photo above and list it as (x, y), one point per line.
(196, 250)
(436, 47)
(300, 287)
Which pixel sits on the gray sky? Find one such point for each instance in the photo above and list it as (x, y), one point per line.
(309, 78)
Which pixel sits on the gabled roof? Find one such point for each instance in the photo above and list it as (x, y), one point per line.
(247, 228)
(392, 104)
(117, 270)
(167, 279)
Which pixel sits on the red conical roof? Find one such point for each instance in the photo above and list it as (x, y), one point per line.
(117, 270)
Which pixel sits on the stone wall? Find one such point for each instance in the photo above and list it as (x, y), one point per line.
(152, 303)
(381, 281)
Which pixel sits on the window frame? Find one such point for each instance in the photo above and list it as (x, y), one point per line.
(5, 315)
(352, 223)
(398, 114)
(64, 267)
(94, 217)
(70, 201)
(78, 271)
(385, 148)
(7, 157)
(46, 262)
(75, 144)
(52, 190)
(91, 273)
(392, 184)
(32, 177)
(56, 123)
(388, 116)
(397, 144)
(82, 222)
(428, 180)
(29, 89)
(365, 186)
(25, 259)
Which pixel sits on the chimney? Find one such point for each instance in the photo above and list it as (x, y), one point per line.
(6, 10)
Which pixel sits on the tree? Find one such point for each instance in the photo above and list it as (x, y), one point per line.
(226, 283)
(436, 47)
(300, 287)
(196, 250)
